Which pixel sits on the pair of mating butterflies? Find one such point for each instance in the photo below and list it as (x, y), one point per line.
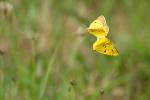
(103, 45)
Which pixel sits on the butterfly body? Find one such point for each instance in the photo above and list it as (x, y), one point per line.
(103, 45)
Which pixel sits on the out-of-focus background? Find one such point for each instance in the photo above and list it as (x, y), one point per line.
(45, 53)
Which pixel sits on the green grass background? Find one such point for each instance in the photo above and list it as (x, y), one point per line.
(45, 54)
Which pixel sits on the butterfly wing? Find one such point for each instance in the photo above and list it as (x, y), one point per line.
(99, 27)
(103, 20)
(105, 46)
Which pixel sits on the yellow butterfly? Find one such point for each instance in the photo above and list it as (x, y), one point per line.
(105, 46)
(100, 29)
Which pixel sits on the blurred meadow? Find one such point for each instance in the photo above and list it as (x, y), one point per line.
(46, 54)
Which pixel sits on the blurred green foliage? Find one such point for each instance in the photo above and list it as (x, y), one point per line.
(45, 54)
